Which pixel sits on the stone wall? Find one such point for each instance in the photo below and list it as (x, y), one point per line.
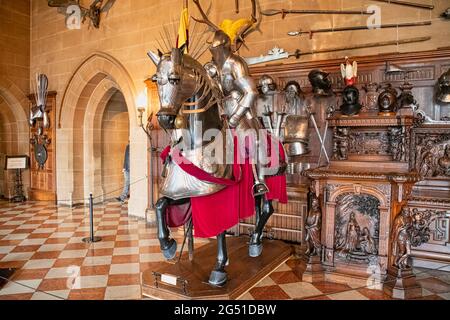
(13, 141)
(15, 40)
(15, 23)
(115, 135)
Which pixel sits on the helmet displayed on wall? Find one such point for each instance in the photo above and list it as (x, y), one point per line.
(266, 84)
(387, 100)
(320, 82)
(351, 105)
(443, 88)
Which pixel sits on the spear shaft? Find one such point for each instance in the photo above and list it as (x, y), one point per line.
(284, 12)
(298, 53)
(408, 4)
(354, 28)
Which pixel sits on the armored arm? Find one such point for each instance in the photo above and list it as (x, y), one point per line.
(247, 87)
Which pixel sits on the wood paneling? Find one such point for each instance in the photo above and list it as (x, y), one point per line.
(43, 181)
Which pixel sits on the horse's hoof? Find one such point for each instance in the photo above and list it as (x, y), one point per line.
(255, 250)
(218, 278)
(171, 250)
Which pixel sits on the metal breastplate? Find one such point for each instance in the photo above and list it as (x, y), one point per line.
(296, 135)
(227, 81)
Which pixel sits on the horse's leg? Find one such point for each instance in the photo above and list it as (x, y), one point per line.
(218, 276)
(168, 245)
(256, 245)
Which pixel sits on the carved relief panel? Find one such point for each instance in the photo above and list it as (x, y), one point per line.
(432, 154)
(357, 227)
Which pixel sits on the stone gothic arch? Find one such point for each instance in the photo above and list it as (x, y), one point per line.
(15, 122)
(94, 81)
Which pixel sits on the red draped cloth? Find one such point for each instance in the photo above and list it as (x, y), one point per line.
(277, 184)
(216, 213)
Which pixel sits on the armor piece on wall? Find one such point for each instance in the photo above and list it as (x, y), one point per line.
(39, 117)
(293, 95)
(387, 101)
(443, 88)
(266, 85)
(351, 105)
(296, 135)
(296, 129)
(406, 101)
(96, 8)
(266, 103)
(313, 226)
(320, 82)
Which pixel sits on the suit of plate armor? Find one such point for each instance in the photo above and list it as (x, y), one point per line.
(239, 91)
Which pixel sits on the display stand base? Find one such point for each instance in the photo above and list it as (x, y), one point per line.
(312, 270)
(190, 279)
(402, 284)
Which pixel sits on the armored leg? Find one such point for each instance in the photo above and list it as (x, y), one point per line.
(256, 245)
(218, 276)
(168, 245)
(260, 188)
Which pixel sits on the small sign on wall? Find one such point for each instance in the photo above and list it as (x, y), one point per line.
(17, 163)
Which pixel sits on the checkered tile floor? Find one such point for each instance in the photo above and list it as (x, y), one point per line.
(43, 242)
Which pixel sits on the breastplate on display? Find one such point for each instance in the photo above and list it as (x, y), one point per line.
(296, 135)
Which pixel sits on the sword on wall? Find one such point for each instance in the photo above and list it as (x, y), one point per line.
(330, 112)
(322, 143)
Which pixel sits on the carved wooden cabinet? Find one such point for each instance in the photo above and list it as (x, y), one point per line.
(383, 140)
(358, 209)
(431, 157)
(43, 180)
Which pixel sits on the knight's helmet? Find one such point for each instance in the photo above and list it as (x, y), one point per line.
(443, 88)
(220, 46)
(320, 82)
(266, 84)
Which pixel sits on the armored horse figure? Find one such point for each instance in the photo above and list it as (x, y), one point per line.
(219, 192)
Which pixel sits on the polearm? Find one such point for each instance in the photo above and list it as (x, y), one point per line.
(408, 4)
(284, 12)
(299, 53)
(365, 27)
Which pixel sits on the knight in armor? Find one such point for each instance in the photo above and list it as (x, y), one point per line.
(240, 93)
(266, 102)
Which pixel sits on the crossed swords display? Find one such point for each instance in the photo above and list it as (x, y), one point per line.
(281, 116)
(322, 138)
